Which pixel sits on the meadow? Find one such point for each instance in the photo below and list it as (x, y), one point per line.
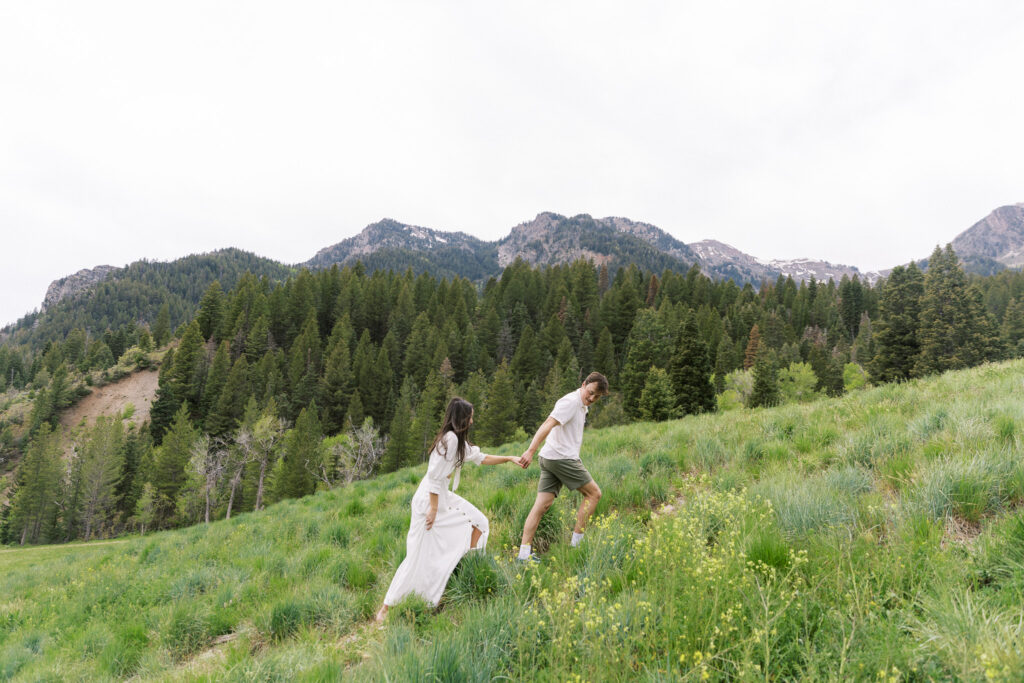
(877, 536)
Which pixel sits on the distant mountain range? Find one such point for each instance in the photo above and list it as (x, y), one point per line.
(551, 239)
(991, 244)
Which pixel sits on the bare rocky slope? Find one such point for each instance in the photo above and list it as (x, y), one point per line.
(998, 237)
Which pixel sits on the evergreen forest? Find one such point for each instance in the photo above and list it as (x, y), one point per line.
(276, 385)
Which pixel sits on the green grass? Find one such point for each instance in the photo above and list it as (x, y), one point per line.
(874, 537)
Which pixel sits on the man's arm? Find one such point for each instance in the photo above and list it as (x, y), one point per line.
(538, 439)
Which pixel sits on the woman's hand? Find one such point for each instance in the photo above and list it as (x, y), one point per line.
(431, 515)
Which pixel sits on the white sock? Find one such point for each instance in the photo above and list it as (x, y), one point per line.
(524, 552)
(576, 538)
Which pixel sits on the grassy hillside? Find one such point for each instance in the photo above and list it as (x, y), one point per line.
(870, 537)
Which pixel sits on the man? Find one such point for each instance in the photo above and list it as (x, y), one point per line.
(560, 465)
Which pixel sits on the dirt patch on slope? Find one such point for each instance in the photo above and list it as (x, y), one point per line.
(138, 389)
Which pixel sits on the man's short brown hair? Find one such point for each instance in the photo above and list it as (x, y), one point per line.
(599, 379)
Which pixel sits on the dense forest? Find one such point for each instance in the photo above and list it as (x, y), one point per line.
(273, 390)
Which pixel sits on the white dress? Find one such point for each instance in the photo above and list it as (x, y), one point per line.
(431, 555)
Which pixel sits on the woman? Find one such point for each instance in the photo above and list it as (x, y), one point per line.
(444, 525)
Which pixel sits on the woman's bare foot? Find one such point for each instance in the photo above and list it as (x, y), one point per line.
(382, 614)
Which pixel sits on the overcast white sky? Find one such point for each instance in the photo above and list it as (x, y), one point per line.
(858, 132)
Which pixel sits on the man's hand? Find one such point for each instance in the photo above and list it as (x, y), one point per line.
(525, 459)
(431, 515)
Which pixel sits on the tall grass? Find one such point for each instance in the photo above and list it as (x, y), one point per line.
(877, 536)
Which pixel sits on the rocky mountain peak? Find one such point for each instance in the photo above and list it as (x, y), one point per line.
(998, 236)
(75, 284)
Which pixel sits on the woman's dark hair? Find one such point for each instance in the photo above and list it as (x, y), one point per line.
(456, 419)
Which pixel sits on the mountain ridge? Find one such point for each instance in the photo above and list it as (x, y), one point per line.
(993, 243)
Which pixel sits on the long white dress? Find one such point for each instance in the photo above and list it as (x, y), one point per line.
(431, 555)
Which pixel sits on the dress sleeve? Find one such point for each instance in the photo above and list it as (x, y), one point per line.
(438, 469)
(474, 455)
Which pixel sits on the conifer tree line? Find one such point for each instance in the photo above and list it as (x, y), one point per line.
(273, 391)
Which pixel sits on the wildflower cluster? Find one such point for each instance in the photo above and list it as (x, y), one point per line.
(687, 584)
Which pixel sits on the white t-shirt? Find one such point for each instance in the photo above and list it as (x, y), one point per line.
(565, 439)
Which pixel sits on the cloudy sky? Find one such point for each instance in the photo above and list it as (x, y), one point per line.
(859, 132)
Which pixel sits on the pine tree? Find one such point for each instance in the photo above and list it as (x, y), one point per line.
(376, 385)
(620, 307)
(171, 458)
(400, 450)
(258, 340)
(585, 354)
(657, 398)
(101, 453)
(231, 404)
(954, 331)
(336, 385)
(532, 404)
(166, 404)
(186, 376)
(649, 344)
(429, 412)
(302, 456)
(766, 383)
(1011, 331)
(420, 349)
(896, 342)
(487, 333)
(851, 304)
(474, 390)
(215, 381)
(74, 347)
(499, 408)
(828, 369)
(137, 455)
(355, 415)
(528, 361)
(42, 413)
(162, 326)
(725, 361)
(211, 310)
(305, 358)
(690, 372)
(99, 356)
(34, 503)
(403, 315)
(863, 349)
(604, 358)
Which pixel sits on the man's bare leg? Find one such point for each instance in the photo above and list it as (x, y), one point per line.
(540, 506)
(591, 496)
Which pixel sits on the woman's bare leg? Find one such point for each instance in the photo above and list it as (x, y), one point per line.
(382, 614)
(475, 538)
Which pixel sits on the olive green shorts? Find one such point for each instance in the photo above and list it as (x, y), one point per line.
(557, 473)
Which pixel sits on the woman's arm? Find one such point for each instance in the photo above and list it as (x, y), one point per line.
(498, 459)
(432, 510)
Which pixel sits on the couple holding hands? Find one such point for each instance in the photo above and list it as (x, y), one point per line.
(445, 526)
